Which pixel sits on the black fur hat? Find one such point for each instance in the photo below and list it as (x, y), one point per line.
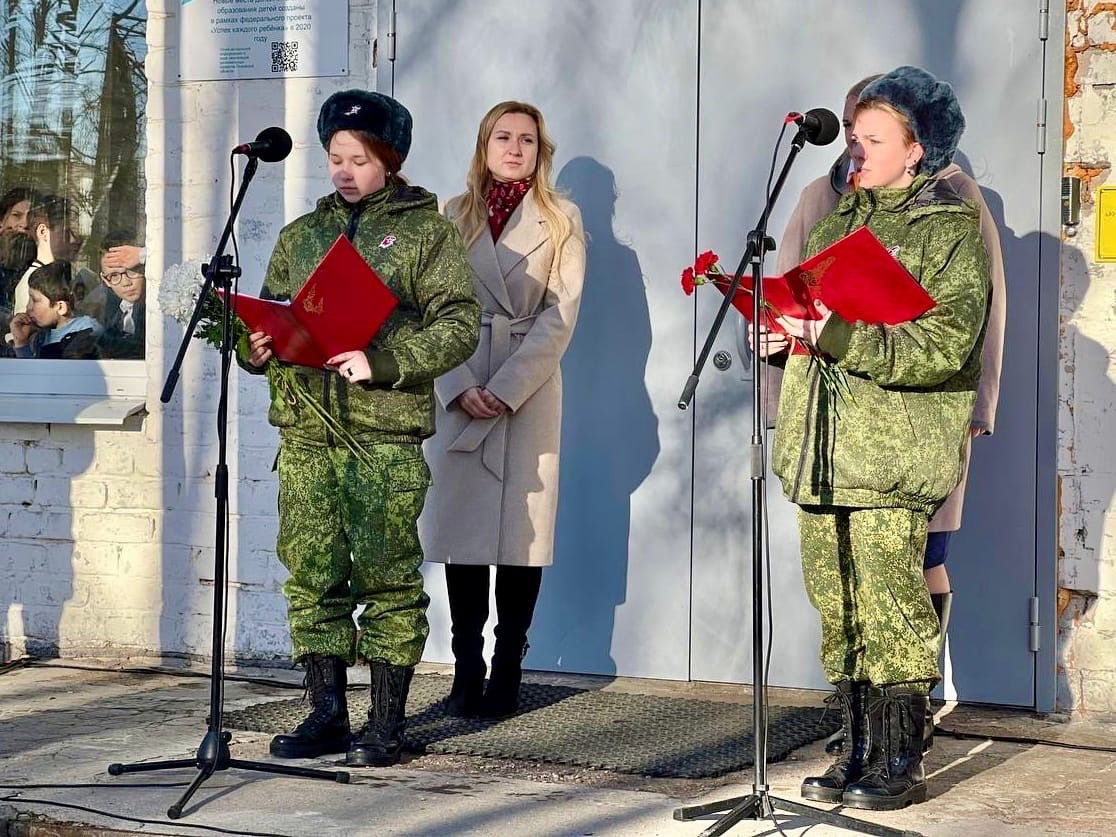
(374, 113)
(931, 107)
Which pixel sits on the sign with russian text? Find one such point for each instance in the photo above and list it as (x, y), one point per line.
(242, 39)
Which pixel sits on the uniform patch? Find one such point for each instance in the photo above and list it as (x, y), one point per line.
(387, 242)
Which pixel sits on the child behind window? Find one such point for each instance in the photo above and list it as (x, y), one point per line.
(49, 327)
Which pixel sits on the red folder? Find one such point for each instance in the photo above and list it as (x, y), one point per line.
(339, 309)
(855, 277)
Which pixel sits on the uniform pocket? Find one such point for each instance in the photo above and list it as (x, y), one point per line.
(407, 481)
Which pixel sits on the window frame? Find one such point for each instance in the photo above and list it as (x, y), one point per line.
(49, 391)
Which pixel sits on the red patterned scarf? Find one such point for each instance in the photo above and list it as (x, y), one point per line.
(502, 199)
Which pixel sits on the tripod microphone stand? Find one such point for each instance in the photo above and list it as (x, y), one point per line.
(760, 804)
(213, 753)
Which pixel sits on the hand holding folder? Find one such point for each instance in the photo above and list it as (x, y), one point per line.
(854, 277)
(339, 309)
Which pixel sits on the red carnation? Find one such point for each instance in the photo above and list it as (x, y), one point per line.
(688, 281)
(705, 262)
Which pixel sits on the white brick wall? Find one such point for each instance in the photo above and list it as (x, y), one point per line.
(1087, 446)
(108, 534)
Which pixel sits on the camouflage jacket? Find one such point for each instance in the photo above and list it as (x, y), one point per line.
(897, 439)
(435, 327)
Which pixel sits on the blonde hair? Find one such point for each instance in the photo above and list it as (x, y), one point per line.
(873, 103)
(471, 212)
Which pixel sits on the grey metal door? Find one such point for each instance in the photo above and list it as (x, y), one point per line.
(665, 114)
(617, 85)
(759, 60)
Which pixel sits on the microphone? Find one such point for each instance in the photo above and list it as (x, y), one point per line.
(818, 126)
(271, 145)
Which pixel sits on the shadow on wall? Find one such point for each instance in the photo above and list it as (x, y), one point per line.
(45, 550)
(982, 550)
(609, 440)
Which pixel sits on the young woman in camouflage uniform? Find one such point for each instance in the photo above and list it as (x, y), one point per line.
(347, 523)
(868, 469)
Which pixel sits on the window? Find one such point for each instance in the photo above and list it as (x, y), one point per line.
(72, 101)
(73, 97)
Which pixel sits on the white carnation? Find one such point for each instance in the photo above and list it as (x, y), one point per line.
(179, 288)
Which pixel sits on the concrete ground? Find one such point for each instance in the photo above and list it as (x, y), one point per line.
(62, 724)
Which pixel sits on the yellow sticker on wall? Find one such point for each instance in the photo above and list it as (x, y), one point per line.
(1106, 223)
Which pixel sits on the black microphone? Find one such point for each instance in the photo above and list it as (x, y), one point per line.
(818, 126)
(271, 145)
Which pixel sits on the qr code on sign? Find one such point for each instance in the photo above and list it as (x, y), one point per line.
(284, 56)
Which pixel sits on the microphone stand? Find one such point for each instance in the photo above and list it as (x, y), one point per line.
(759, 804)
(213, 753)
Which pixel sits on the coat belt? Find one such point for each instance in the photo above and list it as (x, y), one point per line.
(493, 432)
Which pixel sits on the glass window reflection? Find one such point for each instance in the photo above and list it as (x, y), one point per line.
(72, 102)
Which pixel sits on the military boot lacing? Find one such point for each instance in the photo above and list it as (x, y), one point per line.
(893, 775)
(326, 728)
(852, 697)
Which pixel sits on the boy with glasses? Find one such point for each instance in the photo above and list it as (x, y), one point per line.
(124, 317)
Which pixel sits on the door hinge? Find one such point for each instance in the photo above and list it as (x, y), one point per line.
(1044, 19)
(391, 37)
(1034, 628)
(1040, 127)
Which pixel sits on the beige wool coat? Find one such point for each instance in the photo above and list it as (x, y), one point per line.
(494, 496)
(820, 198)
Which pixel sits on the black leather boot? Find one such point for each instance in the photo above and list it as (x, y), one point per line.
(517, 590)
(381, 741)
(943, 603)
(893, 776)
(467, 589)
(847, 769)
(326, 728)
(836, 742)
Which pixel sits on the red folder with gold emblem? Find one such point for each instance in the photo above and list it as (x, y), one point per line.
(855, 277)
(339, 309)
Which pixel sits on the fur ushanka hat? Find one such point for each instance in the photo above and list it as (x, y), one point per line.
(374, 113)
(931, 107)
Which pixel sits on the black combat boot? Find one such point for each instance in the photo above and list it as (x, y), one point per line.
(467, 588)
(517, 590)
(381, 741)
(828, 787)
(893, 776)
(836, 742)
(326, 728)
(943, 603)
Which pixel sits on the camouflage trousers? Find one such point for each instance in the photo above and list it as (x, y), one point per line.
(863, 573)
(348, 535)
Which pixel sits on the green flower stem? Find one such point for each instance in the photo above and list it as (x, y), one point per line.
(282, 376)
(832, 376)
(287, 382)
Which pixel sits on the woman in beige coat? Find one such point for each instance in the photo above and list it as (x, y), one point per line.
(494, 458)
